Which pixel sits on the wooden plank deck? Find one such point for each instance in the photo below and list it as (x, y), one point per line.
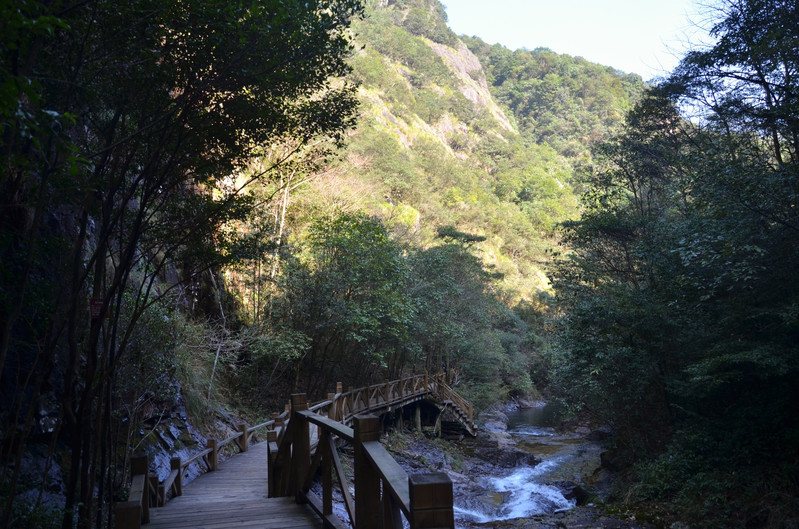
(234, 495)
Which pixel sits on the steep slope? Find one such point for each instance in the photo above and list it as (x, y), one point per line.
(440, 142)
(566, 102)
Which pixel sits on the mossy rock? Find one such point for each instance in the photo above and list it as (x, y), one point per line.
(186, 439)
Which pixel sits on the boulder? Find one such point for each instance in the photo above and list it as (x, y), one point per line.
(571, 491)
(499, 449)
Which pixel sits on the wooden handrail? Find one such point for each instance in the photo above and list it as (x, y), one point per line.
(288, 435)
(229, 439)
(195, 457)
(447, 393)
(425, 501)
(251, 429)
(320, 405)
(393, 475)
(136, 510)
(338, 429)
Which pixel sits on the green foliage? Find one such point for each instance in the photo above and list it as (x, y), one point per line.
(423, 22)
(147, 368)
(450, 233)
(462, 325)
(425, 18)
(389, 163)
(680, 295)
(354, 306)
(368, 68)
(193, 360)
(410, 51)
(345, 294)
(122, 124)
(26, 512)
(476, 174)
(565, 102)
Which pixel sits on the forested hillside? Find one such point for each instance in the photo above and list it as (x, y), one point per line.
(444, 203)
(189, 221)
(207, 207)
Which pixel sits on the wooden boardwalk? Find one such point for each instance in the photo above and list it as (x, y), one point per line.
(234, 495)
(303, 439)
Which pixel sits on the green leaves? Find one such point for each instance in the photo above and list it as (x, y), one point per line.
(122, 124)
(680, 297)
(347, 293)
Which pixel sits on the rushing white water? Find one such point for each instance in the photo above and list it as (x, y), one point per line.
(522, 494)
(524, 491)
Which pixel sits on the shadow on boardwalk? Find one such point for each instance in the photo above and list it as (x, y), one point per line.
(234, 495)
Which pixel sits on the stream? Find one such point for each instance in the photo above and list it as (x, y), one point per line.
(545, 464)
(495, 494)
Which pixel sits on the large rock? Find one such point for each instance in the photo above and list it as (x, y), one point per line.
(497, 451)
(493, 419)
(571, 491)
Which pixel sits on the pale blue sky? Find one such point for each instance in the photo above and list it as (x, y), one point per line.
(646, 37)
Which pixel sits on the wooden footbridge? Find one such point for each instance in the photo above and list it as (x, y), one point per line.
(270, 485)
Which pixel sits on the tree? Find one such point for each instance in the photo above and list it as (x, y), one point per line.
(618, 341)
(680, 319)
(748, 81)
(460, 323)
(346, 294)
(121, 125)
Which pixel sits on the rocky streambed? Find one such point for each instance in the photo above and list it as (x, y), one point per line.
(521, 471)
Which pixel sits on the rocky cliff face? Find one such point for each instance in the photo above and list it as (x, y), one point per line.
(419, 81)
(467, 69)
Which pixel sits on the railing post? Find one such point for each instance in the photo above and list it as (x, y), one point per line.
(271, 450)
(301, 446)
(431, 501)
(279, 427)
(392, 519)
(367, 480)
(175, 464)
(244, 440)
(339, 403)
(141, 465)
(154, 491)
(331, 410)
(213, 457)
(327, 473)
(127, 515)
(131, 514)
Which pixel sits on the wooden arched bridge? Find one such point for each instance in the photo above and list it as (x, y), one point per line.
(270, 484)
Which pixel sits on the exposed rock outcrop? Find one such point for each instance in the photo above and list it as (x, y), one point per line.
(474, 87)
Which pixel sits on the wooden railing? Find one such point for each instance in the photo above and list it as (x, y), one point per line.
(333, 419)
(136, 510)
(447, 395)
(384, 492)
(146, 491)
(343, 407)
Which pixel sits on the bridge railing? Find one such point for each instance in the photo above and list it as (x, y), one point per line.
(342, 407)
(147, 492)
(339, 407)
(446, 393)
(425, 500)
